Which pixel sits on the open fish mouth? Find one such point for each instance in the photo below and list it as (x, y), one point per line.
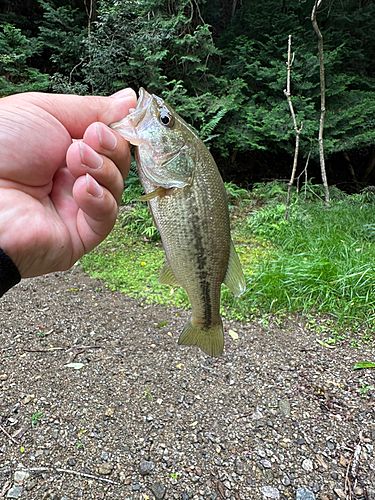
(144, 99)
(139, 112)
(128, 125)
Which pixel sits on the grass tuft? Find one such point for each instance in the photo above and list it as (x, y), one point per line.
(322, 260)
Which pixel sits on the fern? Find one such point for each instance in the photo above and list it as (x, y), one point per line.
(206, 130)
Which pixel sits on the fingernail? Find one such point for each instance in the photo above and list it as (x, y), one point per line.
(89, 157)
(106, 138)
(93, 188)
(123, 93)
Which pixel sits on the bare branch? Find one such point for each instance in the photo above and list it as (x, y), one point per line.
(8, 435)
(317, 4)
(297, 129)
(304, 171)
(70, 471)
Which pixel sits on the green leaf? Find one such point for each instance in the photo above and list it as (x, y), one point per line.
(364, 364)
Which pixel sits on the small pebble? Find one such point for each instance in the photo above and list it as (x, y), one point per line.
(330, 445)
(20, 476)
(316, 487)
(286, 480)
(27, 399)
(15, 492)
(305, 494)
(270, 492)
(266, 463)
(358, 491)
(307, 465)
(146, 467)
(105, 469)
(109, 412)
(340, 493)
(158, 490)
(284, 407)
(3, 376)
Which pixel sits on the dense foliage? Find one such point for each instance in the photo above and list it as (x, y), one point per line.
(221, 63)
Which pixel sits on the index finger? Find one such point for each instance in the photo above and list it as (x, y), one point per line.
(76, 112)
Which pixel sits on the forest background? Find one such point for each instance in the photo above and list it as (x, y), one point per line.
(221, 64)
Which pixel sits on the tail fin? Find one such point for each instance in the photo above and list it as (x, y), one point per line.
(210, 339)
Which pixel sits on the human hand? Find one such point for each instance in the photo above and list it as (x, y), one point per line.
(58, 198)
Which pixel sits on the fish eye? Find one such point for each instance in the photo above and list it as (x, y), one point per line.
(166, 118)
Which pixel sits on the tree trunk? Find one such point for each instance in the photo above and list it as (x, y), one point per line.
(317, 4)
(297, 129)
(234, 7)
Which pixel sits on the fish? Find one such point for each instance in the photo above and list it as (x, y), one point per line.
(188, 202)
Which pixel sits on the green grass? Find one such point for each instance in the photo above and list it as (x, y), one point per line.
(132, 267)
(320, 261)
(36, 418)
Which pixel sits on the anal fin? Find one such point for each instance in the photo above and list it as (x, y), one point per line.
(235, 279)
(167, 276)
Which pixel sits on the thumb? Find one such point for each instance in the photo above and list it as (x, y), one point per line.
(76, 112)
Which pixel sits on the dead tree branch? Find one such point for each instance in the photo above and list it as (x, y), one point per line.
(297, 129)
(317, 4)
(304, 171)
(70, 471)
(8, 435)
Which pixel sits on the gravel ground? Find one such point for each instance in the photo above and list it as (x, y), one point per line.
(97, 401)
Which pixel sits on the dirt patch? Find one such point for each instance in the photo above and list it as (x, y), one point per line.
(98, 401)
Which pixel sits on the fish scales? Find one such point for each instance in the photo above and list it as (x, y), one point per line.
(198, 253)
(188, 202)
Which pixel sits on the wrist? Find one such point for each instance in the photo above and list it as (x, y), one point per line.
(9, 273)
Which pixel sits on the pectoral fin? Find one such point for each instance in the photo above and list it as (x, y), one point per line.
(167, 276)
(235, 279)
(160, 191)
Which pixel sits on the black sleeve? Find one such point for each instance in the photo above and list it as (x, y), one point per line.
(9, 274)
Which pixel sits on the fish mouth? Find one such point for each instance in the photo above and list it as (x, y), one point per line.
(143, 103)
(144, 99)
(127, 127)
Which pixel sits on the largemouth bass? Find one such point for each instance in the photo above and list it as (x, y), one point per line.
(187, 198)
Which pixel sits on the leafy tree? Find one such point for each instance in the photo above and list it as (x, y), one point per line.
(221, 64)
(16, 49)
(62, 33)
